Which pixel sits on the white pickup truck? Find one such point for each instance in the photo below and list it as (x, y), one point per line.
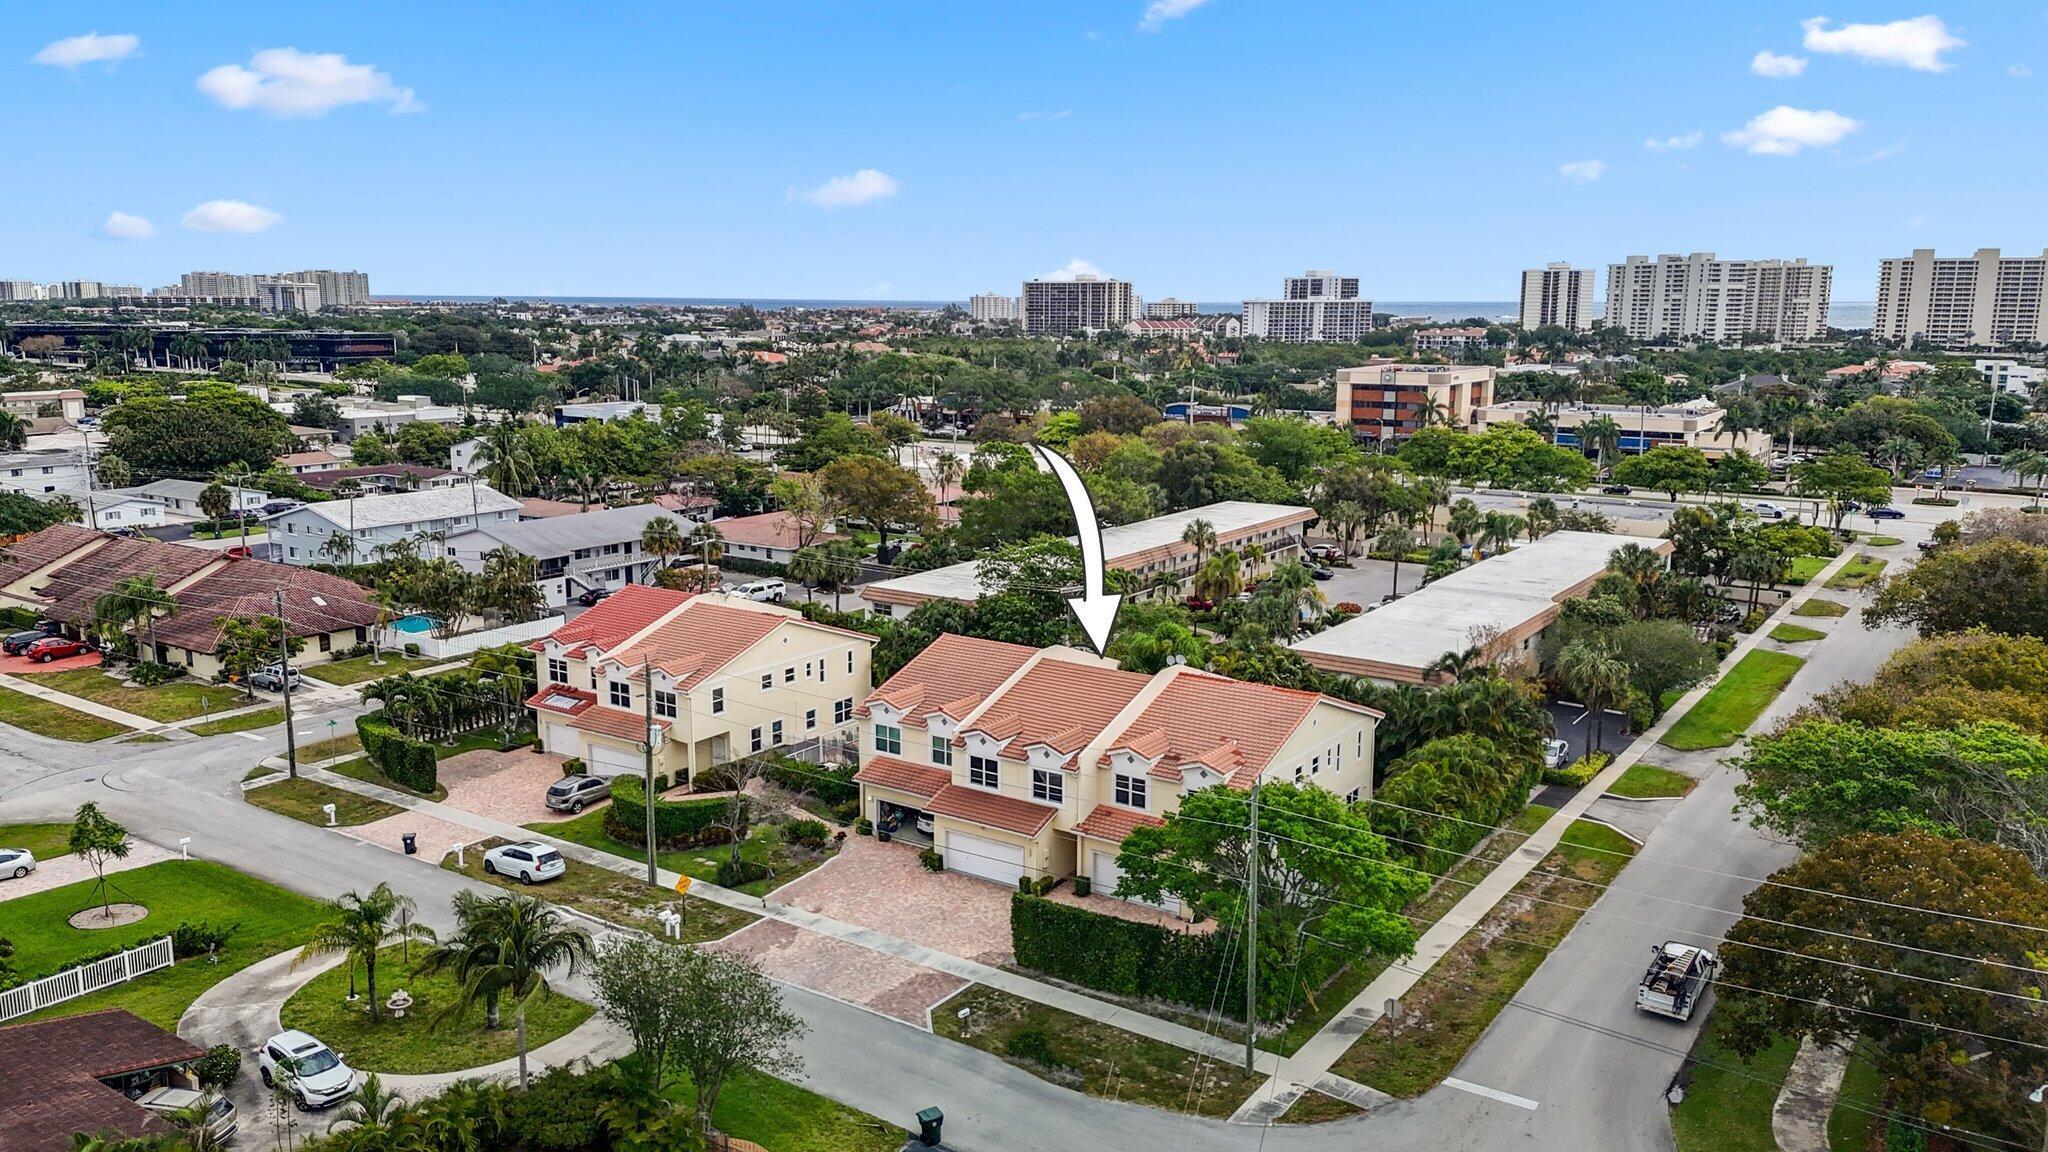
(1677, 980)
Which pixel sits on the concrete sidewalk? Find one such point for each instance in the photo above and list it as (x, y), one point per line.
(1314, 1059)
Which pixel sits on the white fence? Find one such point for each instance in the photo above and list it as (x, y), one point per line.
(73, 983)
(464, 643)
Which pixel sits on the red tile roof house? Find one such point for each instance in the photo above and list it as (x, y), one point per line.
(773, 537)
(73, 1074)
(731, 677)
(1019, 761)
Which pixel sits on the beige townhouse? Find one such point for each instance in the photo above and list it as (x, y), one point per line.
(730, 677)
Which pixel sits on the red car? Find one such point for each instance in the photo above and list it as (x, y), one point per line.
(240, 552)
(55, 648)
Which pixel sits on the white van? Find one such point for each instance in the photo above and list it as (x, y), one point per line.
(771, 591)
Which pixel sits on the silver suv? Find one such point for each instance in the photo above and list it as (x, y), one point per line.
(574, 793)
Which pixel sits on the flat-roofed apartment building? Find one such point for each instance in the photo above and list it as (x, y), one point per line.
(1146, 548)
(1557, 294)
(1316, 307)
(1509, 598)
(1697, 423)
(1395, 401)
(1021, 762)
(1982, 300)
(1086, 303)
(1700, 297)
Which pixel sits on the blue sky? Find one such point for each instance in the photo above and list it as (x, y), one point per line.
(931, 151)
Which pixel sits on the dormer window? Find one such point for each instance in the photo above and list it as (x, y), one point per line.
(984, 772)
(558, 670)
(1130, 791)
(1048, 784)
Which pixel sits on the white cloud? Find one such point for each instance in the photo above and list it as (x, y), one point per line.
(1673, 143)
(1062, 114)
(1769, 63)
(288, 82)
(1075, 269)
(1916, 43)
(91, 48)
(2018, 71)
(1784, 131)
(1159, 12)
(863, 187)
(1582, 171)
(230, 216)
(127, 226)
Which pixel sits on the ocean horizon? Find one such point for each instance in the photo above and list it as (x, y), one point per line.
(1848, 314)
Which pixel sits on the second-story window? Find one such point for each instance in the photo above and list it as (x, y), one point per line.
(621, 694)
(942, 751)
(889, 739)
(767, 681)
(983, 772)
(717, 701)
(1048, 784)
(558, 671)
(665, 704)
(1130, 791)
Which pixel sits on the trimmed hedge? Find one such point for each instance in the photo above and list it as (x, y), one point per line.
(1578, 773)
(831, 785)
(399, 757)
(677, 823)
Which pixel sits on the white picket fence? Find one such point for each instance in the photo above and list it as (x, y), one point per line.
(73, 983)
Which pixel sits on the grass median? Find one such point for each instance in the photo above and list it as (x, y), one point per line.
(302, 799)
(49, 718)
(1734, 702)
(1649, 782)
(611, 896)
(1817, 606)
(1796, 634)
(176, 700)
(246, 722)
(1860, 572)
(1727, 1107)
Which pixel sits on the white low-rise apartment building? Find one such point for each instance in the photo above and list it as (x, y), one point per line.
(314, 533)
(1702, 298)
(2012, 376)
(1449, 341)
(1983, 300)
(181, 498)
(46, 470)
(574, 554)
(1557, 294)
(1693, 424)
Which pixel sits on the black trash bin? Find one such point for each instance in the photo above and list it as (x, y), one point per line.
(412, 847)
(928, 1123)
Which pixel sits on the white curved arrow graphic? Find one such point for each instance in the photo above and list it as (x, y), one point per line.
(1095, 608)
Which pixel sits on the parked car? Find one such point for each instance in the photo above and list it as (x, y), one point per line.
(55, 648)
(767, 591)
(16, 863)
(1617, 489)
(593, 597)
(1554, 752)
(273, 677)
(1326, 552)
(278, 506)
(20, 642)
(317, 1075)
(1886, 514)
(574, 793)
(528, 863)
(1321, 573)
(240, 552)
(221, 1118)
(1927, 545)
(1768, 510)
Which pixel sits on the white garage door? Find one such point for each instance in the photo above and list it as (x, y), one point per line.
(988, 859)
(604, 761)
(1106, 875)
(560, 738)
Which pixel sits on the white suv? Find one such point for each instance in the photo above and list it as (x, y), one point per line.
(527, 863)
(315, 1075)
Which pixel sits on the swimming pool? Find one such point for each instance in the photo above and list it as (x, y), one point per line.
(413, 624)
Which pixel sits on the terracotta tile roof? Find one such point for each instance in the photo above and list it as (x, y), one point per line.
(614, 722)
(1058, 703)
(768, 530)
(677, 502)
(615, 619)
(561, 699)
(902, 775)
(1111, 823)
(1229, 725)
(699, 641)
(53, 543)
(73, 587)
(54, 1090)
(949, 672)
(314, 603)
(992, 809)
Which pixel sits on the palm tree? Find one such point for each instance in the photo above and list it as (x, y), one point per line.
(359, 927)
(502, 459)
(1542, 517)
(1469, 663)
(235, 475)
(1399, 542)
(1499, 529)
(135, 600)
(371, 1106)
(13, 432)
(948, 468)
(1295, 587)
(2026, 462)
(661, 539)
(503, 948)
(1757, 566)
(1643, 567)
(1899, 450)
(1201, 536)
(1604, 435)
(1218, 579)
(1466, 521)
(1592, 673)
(339, 547)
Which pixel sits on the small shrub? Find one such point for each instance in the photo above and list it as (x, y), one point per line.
(932, 861)
(1348, 607)
(1753, 621)
(863, 826)
(846, 812)
(1033, 1044)
(556, 1112)
(412, 649)
(1579, 772)
(1083, 886)
(219, 1067)
(199, 938)
(660, 783)
(1024, 885)
(809, 833)
(574, 766)
(149, 675)
(733, 873)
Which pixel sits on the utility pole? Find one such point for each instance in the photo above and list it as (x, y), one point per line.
(284, 666)
(1251, 937)
(647, 686)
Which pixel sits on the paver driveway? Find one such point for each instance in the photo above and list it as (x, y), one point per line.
(873, 980)
(508, 786)
(885, 887)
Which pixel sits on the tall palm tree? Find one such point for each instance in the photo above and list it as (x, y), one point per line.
(662, 539)
(1603, 434)
(502, 459)
(503, 948)
(1499, 529)
(2028, 462)
(1643, 567)
(1201, 536)
(1218, 579)
(1466, 521)
(1542, 517)
(135, 600)
(1757, 566)
(1899, 451)
(361, 925)
(13, 432)
(235, 475)
(948, 468)
(1399, 542)
(1592, 673)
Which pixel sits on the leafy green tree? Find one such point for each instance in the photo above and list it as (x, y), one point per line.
(1668, 468)
(1295, 447)
(881, 493)
(98, 840)
(358, 927)
(1738, 471)
(1952, 680)
(2000, 585)
(441, 366)
(112, 472)
(214, 425)
(833, 436)
(372, 449)
(1119, 413)
(247, 644)
(1839, 478)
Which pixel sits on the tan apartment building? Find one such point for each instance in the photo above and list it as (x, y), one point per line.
(1701, 297)
(730, 677)
(1982, 300)
(1395, 401)
(1148, 548)
(1557, 294)
(1696, 423)
(1084, 304)
(1020, 762)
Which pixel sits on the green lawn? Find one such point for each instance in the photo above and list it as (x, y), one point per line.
(1859, 1107)
(1727, 1108)
(176, 700)
(45, 718)
(1449, 1009)
(612, 896)
(360, 768)
(1796, 634)
(1805, 568)
(328, 749)
(1649, 782)
(1092, 1057)
(1858, 572)
(763, 845)
(1820, 607)
(785, 1117)
(45, 842)
(1881, 541)
(301, 800)
(267, 920)
(422, 1042)
(247, 721)
(359, 670)
(1734, 702)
